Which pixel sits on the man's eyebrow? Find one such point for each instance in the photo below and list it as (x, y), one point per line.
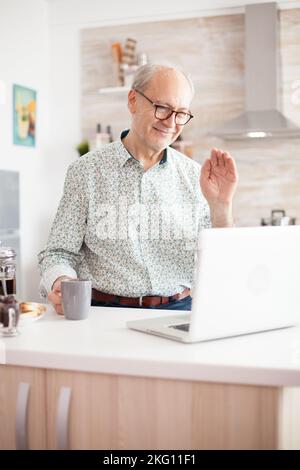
(186, 110)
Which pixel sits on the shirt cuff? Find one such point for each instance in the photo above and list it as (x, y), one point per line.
(50, 276)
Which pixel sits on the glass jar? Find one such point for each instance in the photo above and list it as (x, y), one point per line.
(7, 270)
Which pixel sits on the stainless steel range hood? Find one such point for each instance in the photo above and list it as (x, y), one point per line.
(262, 117)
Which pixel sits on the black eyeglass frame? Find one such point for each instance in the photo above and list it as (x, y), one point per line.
(156, 105)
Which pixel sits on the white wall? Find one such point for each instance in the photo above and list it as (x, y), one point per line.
(24, 61)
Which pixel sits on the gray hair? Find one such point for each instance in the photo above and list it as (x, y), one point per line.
(145, 73)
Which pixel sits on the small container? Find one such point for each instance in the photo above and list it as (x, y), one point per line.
(9, 315)
(128, 73)
(278, 217)
(142, 59)
(99, 137)
(7, 270)
(109, 133)
(102, 138)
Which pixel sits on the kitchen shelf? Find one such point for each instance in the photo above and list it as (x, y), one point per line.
(115, 89)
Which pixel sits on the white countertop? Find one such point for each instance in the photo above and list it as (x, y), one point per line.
(103, 344)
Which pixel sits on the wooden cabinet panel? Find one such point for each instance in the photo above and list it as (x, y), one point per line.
(93, 414)
(227, 416)
(122, 412)
(11, 378)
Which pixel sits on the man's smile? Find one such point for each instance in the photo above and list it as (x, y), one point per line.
(163, 132)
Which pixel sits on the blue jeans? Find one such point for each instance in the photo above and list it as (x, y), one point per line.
(183, 304)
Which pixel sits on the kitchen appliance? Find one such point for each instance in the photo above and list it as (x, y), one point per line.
(278, 217)
(262, 116)
(7, 270)
(9, 315)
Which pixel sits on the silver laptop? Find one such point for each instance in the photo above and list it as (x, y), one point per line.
(247, 280)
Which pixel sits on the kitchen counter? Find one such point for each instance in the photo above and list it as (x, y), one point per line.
(103, 344)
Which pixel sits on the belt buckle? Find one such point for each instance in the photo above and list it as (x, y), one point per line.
(140, 300)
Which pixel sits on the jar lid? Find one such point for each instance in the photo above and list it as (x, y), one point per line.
(6, 252)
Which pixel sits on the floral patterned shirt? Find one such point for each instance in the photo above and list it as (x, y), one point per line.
(131, 232)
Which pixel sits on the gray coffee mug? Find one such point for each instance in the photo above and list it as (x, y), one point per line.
(76, 298)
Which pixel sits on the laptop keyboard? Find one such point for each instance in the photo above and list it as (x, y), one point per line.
(182, 327)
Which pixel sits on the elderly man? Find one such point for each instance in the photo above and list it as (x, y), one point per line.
(130, 213)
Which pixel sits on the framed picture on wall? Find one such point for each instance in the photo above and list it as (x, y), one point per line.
(24, 112)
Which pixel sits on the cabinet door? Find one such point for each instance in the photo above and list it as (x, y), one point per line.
(81, 410)
(22, 408)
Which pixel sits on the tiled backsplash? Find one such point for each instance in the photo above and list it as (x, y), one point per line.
(211, 49)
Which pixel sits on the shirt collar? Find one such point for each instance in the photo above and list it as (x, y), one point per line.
(126, 155)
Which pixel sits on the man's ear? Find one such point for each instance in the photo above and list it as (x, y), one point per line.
(132, 101)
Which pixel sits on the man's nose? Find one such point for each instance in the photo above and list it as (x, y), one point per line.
(170, 121)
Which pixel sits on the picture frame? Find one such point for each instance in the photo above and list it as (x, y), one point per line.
(24, 116)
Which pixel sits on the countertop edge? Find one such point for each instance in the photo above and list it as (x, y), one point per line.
(243, 375)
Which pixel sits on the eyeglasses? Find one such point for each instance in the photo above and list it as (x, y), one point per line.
(164, 112)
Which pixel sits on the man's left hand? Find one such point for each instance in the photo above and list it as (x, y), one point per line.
(219, 178)
(218, 181)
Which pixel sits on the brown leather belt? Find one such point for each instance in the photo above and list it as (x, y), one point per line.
(146, 301)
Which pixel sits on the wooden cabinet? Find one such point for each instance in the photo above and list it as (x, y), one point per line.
(121, 412)
(53, 409)
(22, 408)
